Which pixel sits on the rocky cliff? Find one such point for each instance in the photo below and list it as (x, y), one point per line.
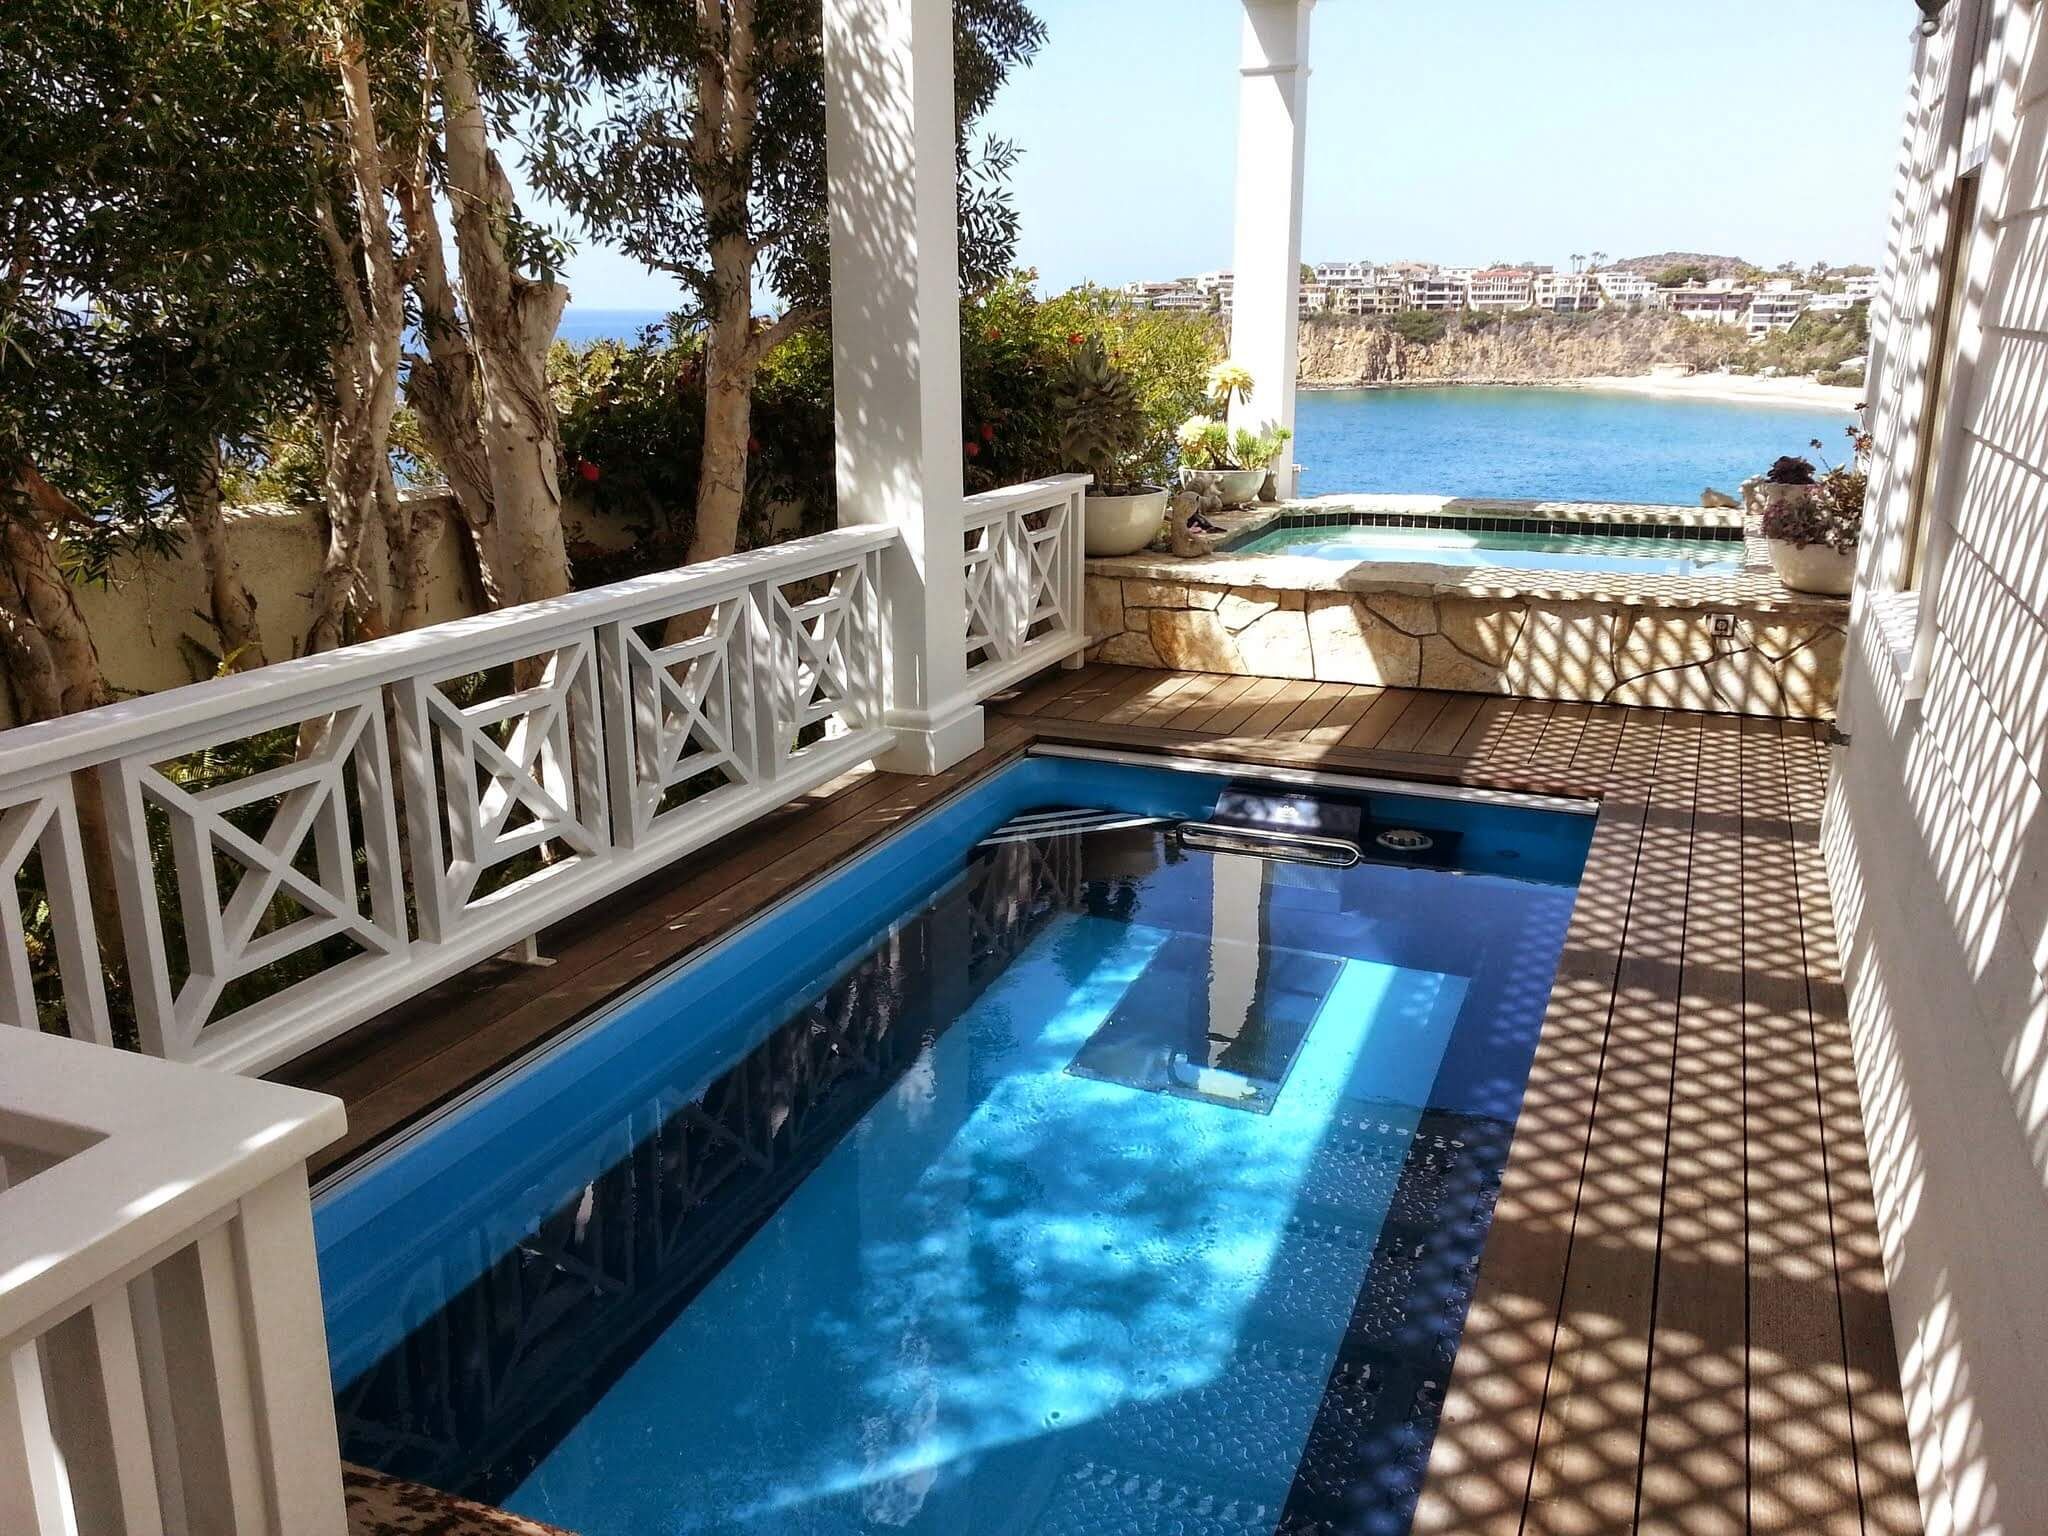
(1524, 349)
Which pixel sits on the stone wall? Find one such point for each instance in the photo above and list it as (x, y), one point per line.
(1771, 661)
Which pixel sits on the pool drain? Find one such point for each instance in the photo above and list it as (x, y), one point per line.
(1405, 840)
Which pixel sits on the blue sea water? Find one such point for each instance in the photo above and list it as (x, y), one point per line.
(1465, 440)
(1562, 444)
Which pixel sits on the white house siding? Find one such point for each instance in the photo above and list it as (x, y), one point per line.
(1937, 835)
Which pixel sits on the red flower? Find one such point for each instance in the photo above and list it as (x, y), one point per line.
(994, 334)
(1075, 338)
(988, 431)
(588, 470)
(973, 449)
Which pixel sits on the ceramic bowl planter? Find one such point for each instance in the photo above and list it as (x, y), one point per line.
(1237, 487)
(1818, 569)
(1123, 525)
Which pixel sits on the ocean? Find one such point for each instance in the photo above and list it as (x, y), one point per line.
(1466, 440)
(1554, 444)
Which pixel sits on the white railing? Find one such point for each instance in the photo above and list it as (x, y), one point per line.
(1022, 558)
(539, 758)
(163, 1366)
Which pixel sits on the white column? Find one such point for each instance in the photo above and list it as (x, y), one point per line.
(1272, 123)
(889, 125)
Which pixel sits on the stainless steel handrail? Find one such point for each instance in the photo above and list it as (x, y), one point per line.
(1261, 842)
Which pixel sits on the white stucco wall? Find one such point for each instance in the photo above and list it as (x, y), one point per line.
(1936, 834)
(150, 621)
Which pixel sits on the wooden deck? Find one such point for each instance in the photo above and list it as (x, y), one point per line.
(1680, 1323)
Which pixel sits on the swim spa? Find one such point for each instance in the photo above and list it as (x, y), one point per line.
(1109, 1150)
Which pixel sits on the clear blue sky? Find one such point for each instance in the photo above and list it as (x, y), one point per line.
(1462, 133)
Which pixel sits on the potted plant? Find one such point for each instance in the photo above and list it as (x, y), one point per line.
(1232, 464)
(1102, 431)
(1261, 450)
(1812, 522)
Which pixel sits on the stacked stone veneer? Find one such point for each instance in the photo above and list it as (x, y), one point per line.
(1729, 644)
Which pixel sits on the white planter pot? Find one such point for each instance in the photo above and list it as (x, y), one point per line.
(1814, 568)
(1237, 487)
(1123, 525)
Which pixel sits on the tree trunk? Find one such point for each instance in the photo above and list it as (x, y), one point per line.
(512, 320)
(229, 603)
(43, 600)
(441, 387)
(53, 668)
(366, 275)
(729, 366)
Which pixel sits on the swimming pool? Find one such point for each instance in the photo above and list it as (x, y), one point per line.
(1055, 1166)
(1647, 554)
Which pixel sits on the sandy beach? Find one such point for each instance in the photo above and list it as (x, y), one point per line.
(1740, 388)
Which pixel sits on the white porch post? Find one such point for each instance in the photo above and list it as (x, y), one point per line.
(889, 120)
(1272, 123)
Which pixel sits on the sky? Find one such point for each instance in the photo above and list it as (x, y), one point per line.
(1465, 133)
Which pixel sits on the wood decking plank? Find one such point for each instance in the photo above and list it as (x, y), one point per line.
(1311, 712)
(1488, 721)
(1196, 717)
(1694, 1481)
(1265, 720)
(1158, 689)
(1377, 720)
(1514, 743)
(1345, 713)
(1112, 696)
(1038, 692)
(1232, 717)
(1589, 1443)
(1451, 724)
(1195, 687)
(1409, 726)
(1802, 1466)
(1480, 1465)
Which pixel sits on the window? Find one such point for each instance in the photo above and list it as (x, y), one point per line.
(1941, 359)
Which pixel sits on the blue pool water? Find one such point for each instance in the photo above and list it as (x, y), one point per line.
(937, 1201)
(1569, 444)
(1654, 555)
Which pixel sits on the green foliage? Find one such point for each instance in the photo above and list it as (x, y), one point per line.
(164, 294)
(1679, 275)
(1421, 327)
(1258, 450)
(1013, 348)
(632, 416)
(1166, 353)
(1100, 423)
(613, 89)
(1204, 443)
(1814, 343)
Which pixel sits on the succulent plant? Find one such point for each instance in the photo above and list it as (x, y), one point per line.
(1101, 424)
(1790, 471)
(1204, 443)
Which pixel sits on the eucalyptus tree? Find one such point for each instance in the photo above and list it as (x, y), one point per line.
(692, 136)
(157, 303)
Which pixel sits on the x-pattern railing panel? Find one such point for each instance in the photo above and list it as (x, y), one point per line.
(515, 776)
(42, 823)
(239, 852)
(1021, 577)
(681, 710)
